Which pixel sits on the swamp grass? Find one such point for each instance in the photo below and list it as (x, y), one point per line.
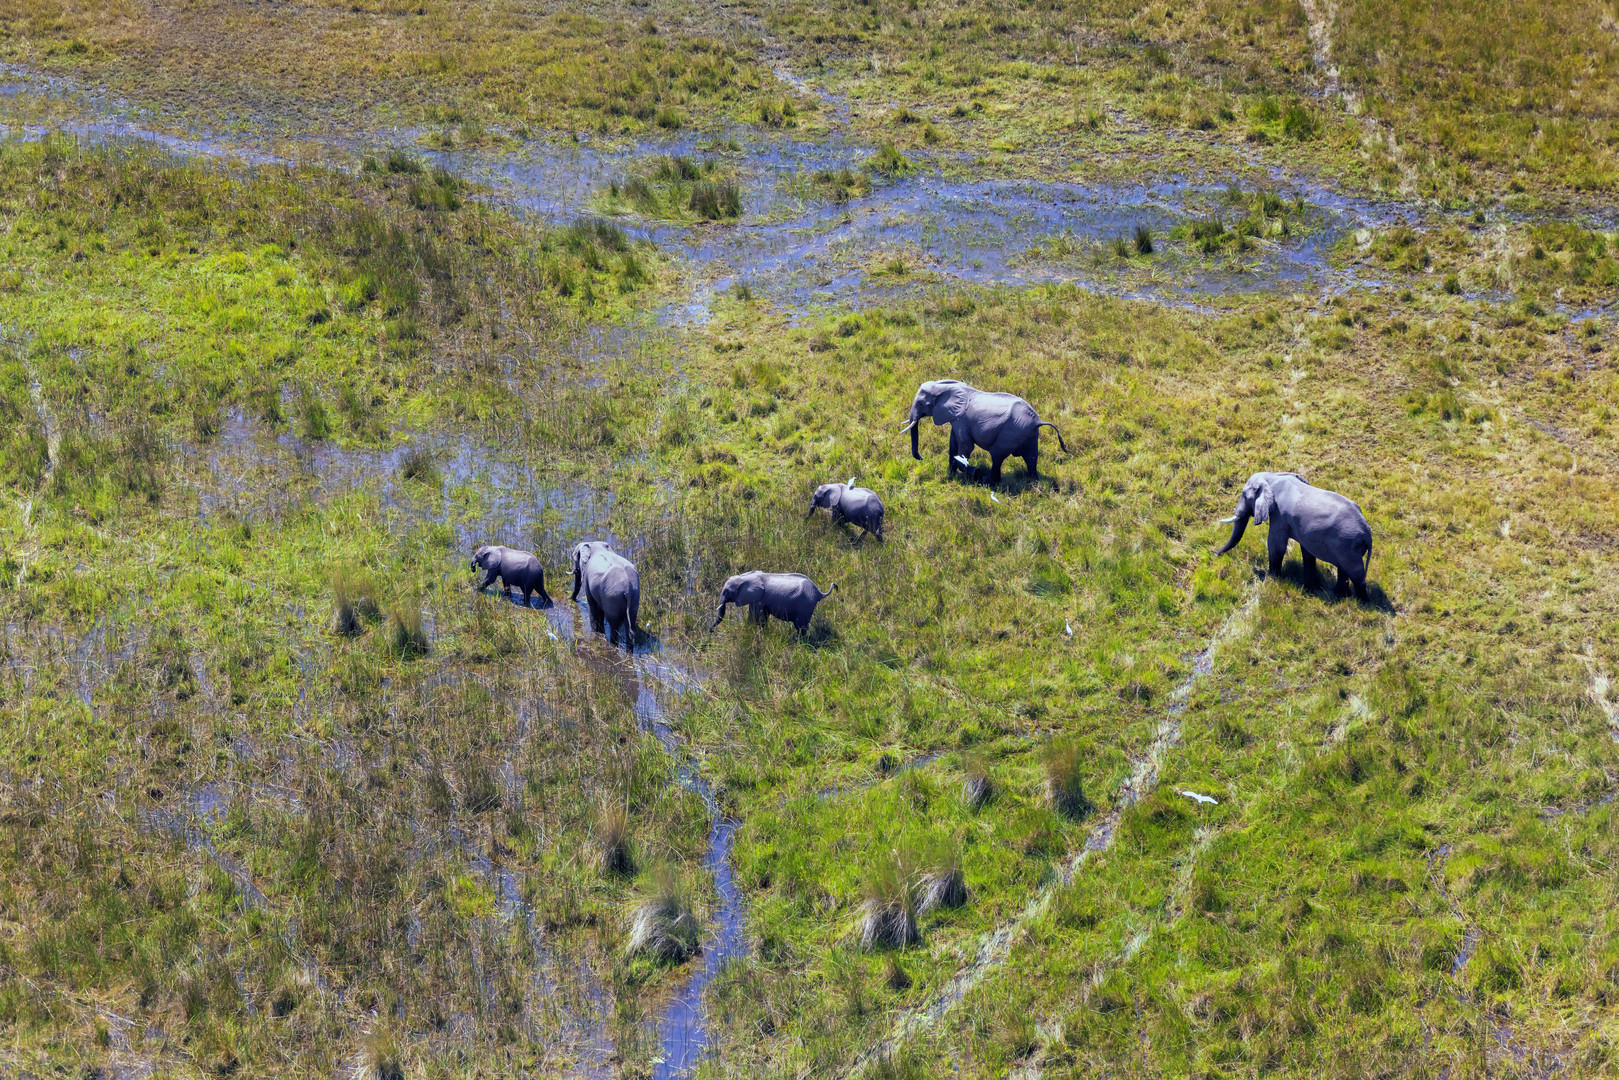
(173, 659)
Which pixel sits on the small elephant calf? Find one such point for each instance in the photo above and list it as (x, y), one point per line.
(512, 567)
(789, 597)
(856, 505)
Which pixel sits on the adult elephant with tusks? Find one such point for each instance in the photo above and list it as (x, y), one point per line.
(1004, 425)
(612, 588)
(1326, 525)
(789, 597)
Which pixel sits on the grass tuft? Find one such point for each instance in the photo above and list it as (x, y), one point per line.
(407, 634)
(888, 915)
(1064, 780)
(942, 884)
(612, 836)
(664, 925)
(978, 788)
(419, 466)
(379, 1058)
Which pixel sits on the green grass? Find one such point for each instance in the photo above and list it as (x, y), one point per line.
(477, 74)
(266, 755)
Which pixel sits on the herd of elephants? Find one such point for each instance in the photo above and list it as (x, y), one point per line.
(1326, 525)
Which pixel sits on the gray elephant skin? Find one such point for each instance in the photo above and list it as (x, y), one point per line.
(612, 589)
(857, 505)
(1004, 425)
(1326, 525)
(789, 597)
(514, 568)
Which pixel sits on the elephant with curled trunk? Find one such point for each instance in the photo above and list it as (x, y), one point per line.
(612, 590)
(1003, 424)
(1326, 525)
(512, 567)
(856, 505)
(789, 597)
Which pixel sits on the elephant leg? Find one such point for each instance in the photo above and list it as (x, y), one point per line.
(597, 616)
(488, 581)
(956, 451)
(1342, 586)
(1278, 548)
(1311, 574)
(527, 592)
(545, 597)
(995, 470)
(1031, 460)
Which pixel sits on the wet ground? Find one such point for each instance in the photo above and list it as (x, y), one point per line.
(800, 251)
(804, 251)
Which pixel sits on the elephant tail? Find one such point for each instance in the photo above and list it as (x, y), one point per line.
(1053, 427)
(830, 589)
(1366, 559)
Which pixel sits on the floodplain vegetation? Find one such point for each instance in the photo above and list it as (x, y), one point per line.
(279, 795)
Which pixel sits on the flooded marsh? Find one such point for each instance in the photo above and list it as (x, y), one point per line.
(282, 793)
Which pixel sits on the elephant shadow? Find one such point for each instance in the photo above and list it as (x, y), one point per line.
(1325, 586)
(1012, 483)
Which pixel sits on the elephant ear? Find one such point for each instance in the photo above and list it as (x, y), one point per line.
(1263, 505)
(951, 403)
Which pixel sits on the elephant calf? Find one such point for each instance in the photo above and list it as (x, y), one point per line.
(789, 597)
(856, 505)
(1327, 526)
(612, 590)
(512, 567)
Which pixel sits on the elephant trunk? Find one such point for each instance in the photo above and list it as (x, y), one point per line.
(718, 617)
(1239, 524)
(916, 451)
(811, 511)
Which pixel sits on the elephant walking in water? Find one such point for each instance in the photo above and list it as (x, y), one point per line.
(789, 597)
(856, 505)
(612, 590)
(512, 567)
(1326, 525)
(1003, 424)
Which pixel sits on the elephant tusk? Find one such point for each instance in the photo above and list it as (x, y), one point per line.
(1229, 520)
(908, 425)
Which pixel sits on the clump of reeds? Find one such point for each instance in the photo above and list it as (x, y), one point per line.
(418, 465)
(716, 200)
(978, 787)
(480, 793)
(888, 916)
(352, 603)
(406, 632)
(379, 1057)
(664, 925)
(1143, 236)
(1065, 781)
(941, 883)
(612, 835)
